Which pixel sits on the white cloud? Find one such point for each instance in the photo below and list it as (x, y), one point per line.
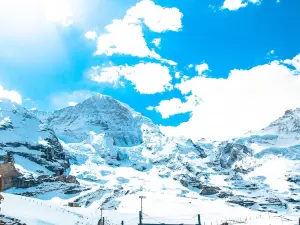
(156, 42)
(175, 106)
(148, 78)
(105, 75)
(125, 36)
(64, 99)
(157, 18)
(11, 95)
(72, 103)
(91, 34)
(295, 62)
(234, 5)
(201, 68)
(246, 100)
(177, 75)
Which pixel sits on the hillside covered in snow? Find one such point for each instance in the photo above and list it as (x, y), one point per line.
(101, 153)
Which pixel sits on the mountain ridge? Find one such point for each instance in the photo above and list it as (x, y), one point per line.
(115, 151)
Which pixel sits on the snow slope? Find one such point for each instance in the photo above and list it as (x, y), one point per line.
(158, 208)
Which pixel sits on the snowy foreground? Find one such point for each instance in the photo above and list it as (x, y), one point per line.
(157, 209)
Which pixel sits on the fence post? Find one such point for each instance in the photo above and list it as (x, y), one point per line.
(103, 221)
(140, 218)
(199, 219)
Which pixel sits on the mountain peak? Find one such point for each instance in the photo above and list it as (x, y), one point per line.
(287, 124)
(100, 114)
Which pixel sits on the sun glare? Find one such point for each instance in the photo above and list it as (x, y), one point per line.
(34, 12)
(58, 11)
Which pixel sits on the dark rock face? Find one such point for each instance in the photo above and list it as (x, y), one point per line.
(53, 156)
(292, 200)
(232, 152)
(273, 202)
(10, 220)
(62, 178)
(294, 178)
(242, 202)
(187, 181)
(235, 177)
(224, 194)
(201, 151)
(22, 182)
(25, 182)
(209, 190)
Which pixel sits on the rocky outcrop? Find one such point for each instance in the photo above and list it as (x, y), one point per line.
(242, 202)
(294, 178)
(275, 202)
(10, 220)
(224, 194)
(209, 190)
(232, 152)
(26, 182)
(188, 181)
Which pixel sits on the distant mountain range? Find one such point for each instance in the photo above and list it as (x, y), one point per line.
(101, 149)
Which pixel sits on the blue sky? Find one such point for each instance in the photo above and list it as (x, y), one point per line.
(46, 56)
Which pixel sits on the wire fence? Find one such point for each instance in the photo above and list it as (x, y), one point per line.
(213, 218)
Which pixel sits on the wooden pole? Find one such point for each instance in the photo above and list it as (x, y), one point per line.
(1, 188)
(199, 219)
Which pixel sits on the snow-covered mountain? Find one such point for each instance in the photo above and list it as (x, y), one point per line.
(105, 115)
(287, 125)
(28, 139)
(115, 152)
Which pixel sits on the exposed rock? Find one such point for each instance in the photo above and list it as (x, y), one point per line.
(24, 182)
(187, 181)
(62, 178)
(294, 178)
(209, 190)
(9, 220)
(292, 200)
(201, 151)
(235, 177)
(274, 202)
(75, 190)
(232, 152)
(224, 194)
(242, 202)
